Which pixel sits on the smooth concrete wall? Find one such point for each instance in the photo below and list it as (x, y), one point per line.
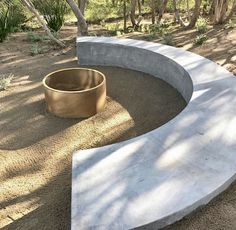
(137, 59)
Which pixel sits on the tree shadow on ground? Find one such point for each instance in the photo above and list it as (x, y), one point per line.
(49, 201)
(220, 46)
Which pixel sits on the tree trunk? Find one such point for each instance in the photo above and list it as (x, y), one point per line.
(135, 23)
(220, 11)
(139, 8)
(132, 13)
(162, 9)
(82, 25)
(32, 9)
(211, 10)
(230, 13)
(125, 14)
(196, 14)
(153, 7)
(224, 8)
(82, 5)
(177, 16)
(187, 4)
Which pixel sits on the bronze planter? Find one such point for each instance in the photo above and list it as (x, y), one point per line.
(75, 92)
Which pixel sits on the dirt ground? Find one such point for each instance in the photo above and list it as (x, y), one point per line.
(36, 147)
(220, 46)
(35, 167)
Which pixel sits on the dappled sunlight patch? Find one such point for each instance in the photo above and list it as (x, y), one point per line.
(173, 158)
(167, 192)
(63, 61)
(13, 215)
(199, 93)
(170, 171)
(37, 162)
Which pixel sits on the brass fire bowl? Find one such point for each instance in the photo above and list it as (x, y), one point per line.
(75, 92)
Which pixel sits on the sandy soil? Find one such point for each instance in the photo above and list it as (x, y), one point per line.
(35, 167)
(36, 147)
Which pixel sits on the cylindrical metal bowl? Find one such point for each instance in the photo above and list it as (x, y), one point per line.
(75, 92)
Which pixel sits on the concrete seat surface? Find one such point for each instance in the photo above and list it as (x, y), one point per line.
(158, 178)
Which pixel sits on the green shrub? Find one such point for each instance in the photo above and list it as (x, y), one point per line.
(144, 28)
(54, 12)
(98, 10)
(201, 25)
(129, 29)
(5, 80)
(113, 26)
(147, 37)
(4, 30)
(37, 49)
(11, 17)
(230, 25)
(168, 40)
(158, 29)
(33, 37)
(114, 29)
(200, 39)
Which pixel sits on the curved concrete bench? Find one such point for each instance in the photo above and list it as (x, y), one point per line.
(161, 176)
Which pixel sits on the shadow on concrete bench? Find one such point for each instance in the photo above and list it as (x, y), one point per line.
(157, 178)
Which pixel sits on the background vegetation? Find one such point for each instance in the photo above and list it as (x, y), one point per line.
(117, 16)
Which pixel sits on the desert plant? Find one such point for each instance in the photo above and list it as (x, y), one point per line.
(200, 39)
(53, 12)
(11, 17)
(37, 49)
(129, 29)
(158, 28)
(33, 37)
(4, 30)
(113, 26)
(144, 28)
(98, 10)
(5, 80)
(230, 25)
(201, 25)
(168, 39)
(148, 37)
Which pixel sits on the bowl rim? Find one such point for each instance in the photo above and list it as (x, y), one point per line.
(75, 91)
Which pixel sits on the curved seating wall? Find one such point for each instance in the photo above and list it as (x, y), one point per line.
(137, 59)
(157, 178)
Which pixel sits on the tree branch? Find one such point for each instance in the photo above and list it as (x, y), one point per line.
(31, 8)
